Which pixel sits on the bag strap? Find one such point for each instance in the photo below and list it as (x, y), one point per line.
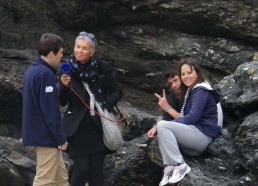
(103, 70)
(121, 116)
(86, 105)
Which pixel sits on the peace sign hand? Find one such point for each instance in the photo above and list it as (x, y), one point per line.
(163, 103)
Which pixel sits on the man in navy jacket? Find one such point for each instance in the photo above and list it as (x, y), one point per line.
(41, 125)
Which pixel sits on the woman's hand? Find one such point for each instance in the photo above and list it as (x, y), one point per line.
(163, 103)
(65, 79)
(152, 132)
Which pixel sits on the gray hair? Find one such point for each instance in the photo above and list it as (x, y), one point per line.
(87, 37)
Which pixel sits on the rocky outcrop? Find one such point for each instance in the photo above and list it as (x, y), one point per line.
(229, 160)
(239, 90)
(13, 64)
(8, 172)
(18, 163)
(142, 40)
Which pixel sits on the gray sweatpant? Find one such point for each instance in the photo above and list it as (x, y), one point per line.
(172, 135)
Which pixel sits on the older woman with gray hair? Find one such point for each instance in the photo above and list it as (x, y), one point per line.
(90, 82)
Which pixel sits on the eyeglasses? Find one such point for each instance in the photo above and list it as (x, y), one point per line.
(89, 35)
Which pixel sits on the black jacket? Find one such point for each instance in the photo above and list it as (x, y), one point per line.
(76, 110)
(175, 103)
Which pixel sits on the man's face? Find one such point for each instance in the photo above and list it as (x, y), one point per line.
(174, 83)
(56, 58)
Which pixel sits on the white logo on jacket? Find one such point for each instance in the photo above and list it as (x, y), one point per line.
(49, 89)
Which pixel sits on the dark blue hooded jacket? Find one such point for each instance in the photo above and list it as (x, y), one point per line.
(201, 110)
(41, 124)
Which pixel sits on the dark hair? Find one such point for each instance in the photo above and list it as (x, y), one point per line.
(50, 42)
(170, 74)
(192, 62)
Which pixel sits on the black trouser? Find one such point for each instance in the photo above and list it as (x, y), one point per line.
(88, 168)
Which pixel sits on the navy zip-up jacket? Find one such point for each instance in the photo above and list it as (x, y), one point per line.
(41, 125)
(201, 110)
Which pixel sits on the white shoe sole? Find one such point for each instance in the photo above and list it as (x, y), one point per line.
(188, 170)
(163, 184)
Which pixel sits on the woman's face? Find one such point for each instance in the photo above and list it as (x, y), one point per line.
(188, 75)
(83, 50)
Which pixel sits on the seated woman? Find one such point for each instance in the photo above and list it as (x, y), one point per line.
(196, 127)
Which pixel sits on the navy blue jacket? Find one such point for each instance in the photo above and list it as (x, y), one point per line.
(201, 110)
(41, 124)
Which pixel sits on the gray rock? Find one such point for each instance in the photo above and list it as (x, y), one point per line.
(142, 40)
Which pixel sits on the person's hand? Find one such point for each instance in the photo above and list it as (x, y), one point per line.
(163, 103)
(65, 79)
(63, 147)
(152, 132)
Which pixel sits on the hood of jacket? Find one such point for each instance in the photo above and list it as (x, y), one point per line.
(207, 86)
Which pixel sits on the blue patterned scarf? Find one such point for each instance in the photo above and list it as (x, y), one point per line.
(88, 72)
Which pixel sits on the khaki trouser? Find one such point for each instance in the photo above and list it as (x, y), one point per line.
(50, 170)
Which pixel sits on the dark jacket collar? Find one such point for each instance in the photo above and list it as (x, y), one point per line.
(39, 60)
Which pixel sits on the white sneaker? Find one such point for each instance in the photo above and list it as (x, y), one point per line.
(179, 173)
(168, 171)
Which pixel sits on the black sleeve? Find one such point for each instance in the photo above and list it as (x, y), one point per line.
(175, 104)
(114, 90)
(111, 85)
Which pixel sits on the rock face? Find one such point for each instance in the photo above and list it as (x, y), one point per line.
(229, 160)
(142, 40)
(239, 90)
